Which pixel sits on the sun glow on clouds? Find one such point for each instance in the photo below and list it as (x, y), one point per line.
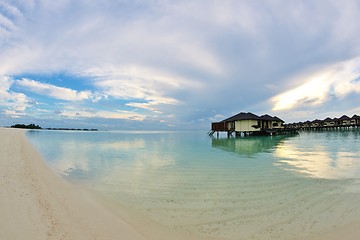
(337, 80)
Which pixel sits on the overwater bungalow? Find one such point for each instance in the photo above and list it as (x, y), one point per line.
(248, 124)
(344, 120)
(355, 120)
(269, 122)
(328, 122)
(251, 124)
(298, 125)
(316, 123)
(306, 124)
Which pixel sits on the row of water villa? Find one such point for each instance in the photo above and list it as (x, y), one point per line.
(328, 123)
(245, 124)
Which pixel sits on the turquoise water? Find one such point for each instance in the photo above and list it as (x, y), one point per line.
(280, 187)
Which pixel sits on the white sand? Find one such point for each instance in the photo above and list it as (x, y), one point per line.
(349, 232)
(37, 204)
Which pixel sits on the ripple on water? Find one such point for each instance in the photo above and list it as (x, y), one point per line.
(261, 204)
(253, 188)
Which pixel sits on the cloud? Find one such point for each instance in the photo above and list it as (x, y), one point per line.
(12, 103)
(75, 35)
(152, 86)
(93, 113)
(9, 16)
(217, 118)
(5, 85)
(148, 105)
(191, 59)
(60, 93)
(337, 80)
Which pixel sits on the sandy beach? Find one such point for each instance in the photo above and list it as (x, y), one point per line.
(35, 203)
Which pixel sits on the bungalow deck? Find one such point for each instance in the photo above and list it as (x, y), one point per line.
(263, 132)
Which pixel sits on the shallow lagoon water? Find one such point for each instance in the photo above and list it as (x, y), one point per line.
(280, 187)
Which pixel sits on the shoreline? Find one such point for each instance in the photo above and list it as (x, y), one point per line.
(35, 203)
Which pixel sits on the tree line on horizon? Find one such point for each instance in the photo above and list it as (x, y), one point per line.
(33, 126)
(29, 126)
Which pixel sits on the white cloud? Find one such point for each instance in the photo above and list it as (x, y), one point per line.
(148, 105)
(54, 91)
(337, 80)
(10, 9)
(14, 104)
(154, 87)
(9, 16)
(73, 36)
(92, 113)
(217, 117)
(5, 23)
(5, 84)
(205, 55)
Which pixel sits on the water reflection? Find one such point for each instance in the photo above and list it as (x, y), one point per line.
(331, 156)
(183, 181)
(93, 156)
(248, 146)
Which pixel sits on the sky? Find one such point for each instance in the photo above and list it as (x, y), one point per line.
(176, 65)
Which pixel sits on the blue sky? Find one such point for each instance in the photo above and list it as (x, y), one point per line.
(161, 64)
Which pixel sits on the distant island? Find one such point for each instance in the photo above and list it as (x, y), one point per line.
(72, 129)
(33, 126)
(30, 126)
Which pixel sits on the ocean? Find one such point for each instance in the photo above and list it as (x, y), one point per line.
(264, 187)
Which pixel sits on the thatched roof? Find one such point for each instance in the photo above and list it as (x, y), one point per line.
(328, 119)
(251, 116)
(316, 121)
(242, 116)
(267, 117)
(344, 117)
(278, 119)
